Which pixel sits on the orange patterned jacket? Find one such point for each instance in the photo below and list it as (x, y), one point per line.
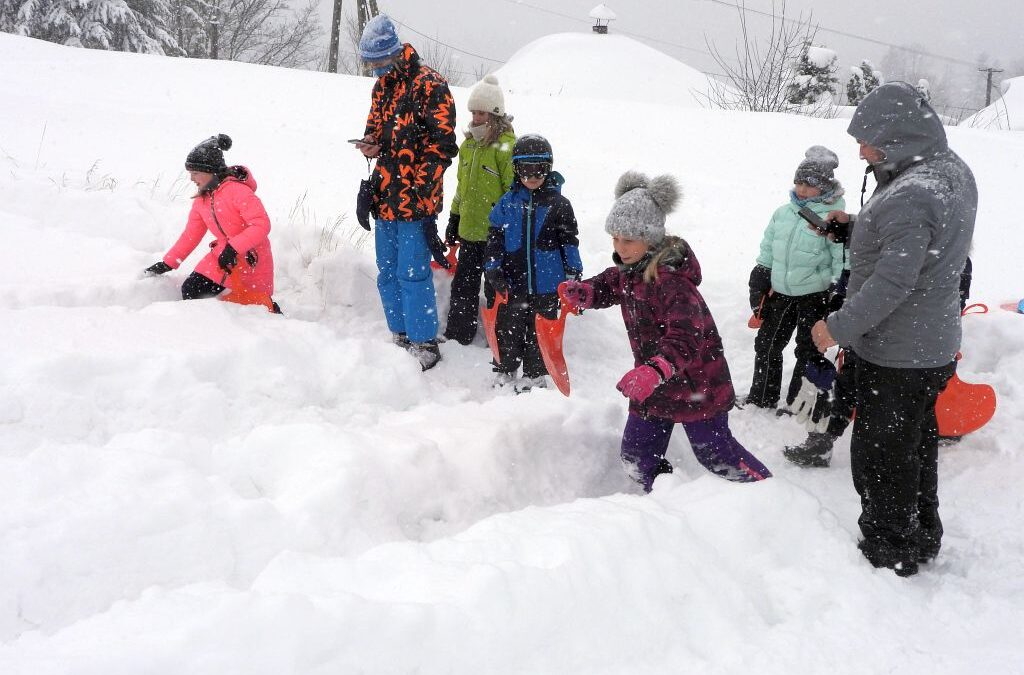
(412, 116)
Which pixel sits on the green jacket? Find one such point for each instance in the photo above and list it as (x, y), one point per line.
(485, 174)
(801, 261)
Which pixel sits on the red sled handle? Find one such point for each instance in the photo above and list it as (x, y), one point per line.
(490, 317)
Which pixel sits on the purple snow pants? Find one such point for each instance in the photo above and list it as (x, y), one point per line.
(645, 441)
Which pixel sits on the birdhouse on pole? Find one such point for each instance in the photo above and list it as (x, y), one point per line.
(602, 16)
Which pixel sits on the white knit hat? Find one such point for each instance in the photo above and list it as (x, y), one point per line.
(640, 206)
(487, 97)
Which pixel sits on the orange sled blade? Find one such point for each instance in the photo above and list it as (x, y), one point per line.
(490, 317)
(549, 339)
(963, 407)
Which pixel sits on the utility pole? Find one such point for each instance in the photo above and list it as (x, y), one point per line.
(988, 87)
(332, 55)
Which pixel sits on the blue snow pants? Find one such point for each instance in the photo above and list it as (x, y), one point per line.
(404, 280)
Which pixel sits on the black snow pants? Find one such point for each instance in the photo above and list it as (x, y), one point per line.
(465, 298)
(517, 333)
(894, 454)
(781, 315)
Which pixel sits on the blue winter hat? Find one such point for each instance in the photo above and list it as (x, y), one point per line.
(379, 40)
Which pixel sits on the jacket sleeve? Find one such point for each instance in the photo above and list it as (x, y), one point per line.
(494, 252)
(463, 176)
(905, 240)
(838, 252)
(373, 120)
(195, 230)
(441, 145)
(606, 288)
(681, 342)
(765, 254)
(508, 173)
(256, 222)
(568, 237)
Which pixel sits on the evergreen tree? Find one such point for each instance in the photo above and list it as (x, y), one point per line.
(814, 76)
(189, 24)
(863, 80)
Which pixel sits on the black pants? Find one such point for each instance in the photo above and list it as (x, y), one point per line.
(465, 298)
(844, 395)
(197, 287)
(894, 455)
(517, 333)
(781, 315)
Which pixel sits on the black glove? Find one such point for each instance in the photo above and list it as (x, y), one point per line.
(837, 292)
(573, 274)
(840, 232)
(365, 206)
(760, 283)
(159, 268)
(451, 235)
(228, 258)
(496, 278)
(434, 243)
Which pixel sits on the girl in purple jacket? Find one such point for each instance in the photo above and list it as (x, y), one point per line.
(680, 373)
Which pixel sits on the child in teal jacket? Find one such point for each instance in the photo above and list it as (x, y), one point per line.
(485, 174)
(791, 282)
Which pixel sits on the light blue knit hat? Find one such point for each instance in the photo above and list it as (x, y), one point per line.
(379, 40)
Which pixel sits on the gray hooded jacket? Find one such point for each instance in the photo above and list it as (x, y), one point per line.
(911, 239)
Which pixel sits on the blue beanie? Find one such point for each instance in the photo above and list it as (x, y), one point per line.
(379, 40)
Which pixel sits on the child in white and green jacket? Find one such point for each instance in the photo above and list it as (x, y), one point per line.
(790, 284)
(485, 174)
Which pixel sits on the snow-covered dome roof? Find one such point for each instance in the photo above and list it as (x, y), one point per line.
(617, 67)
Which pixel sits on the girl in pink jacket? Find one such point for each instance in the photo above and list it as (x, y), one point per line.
(226, 205)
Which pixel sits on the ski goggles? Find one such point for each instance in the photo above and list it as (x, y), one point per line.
(533, 169)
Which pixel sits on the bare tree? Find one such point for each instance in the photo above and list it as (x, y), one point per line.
(439, 57)
(268, 32)
(757, 75)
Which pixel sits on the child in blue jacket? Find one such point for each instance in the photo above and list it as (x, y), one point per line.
(532, 247)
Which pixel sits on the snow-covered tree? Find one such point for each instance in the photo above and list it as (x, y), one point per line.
(924, 89)
(863, 79)
(189, 24)
(814, 76)
(124, 25)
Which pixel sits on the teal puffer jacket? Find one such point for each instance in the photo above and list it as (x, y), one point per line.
(801, 261)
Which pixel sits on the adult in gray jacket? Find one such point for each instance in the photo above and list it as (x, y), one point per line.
(901, 318)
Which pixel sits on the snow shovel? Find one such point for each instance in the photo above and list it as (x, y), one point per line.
(549, 339)
(453, 261)
(490, 317)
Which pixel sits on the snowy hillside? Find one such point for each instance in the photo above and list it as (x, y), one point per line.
(205, 488)
(1006, 111)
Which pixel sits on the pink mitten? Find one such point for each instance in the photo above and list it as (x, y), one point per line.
(578, 294)
(639, 383)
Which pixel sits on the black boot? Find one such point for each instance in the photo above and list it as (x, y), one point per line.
(816, 451)
(427, 353)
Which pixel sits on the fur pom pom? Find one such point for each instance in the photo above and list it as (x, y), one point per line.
(223, 141)
(630, 180)
(665, 192)
(491, 79)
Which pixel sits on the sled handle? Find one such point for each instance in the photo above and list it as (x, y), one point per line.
(978, 307)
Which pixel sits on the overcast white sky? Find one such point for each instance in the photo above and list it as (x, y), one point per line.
(496, 28)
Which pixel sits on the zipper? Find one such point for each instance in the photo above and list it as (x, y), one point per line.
(529, 245)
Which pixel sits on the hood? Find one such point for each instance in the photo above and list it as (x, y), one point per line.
(897, 120)
(672, 255)
(407, 63)
(237, 174)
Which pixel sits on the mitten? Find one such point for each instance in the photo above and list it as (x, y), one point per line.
(496, 278)
(638, 384)
(578, 294)
(813, 403)
(365, 206)
(434, 243)
(451, 234)
(760, 283)
(158, 268)
(228, 258)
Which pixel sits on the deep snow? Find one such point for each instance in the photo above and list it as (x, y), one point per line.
(205, 488)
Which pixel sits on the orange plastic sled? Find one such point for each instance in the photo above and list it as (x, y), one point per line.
(549, 339)
(963, 407)
(241, 295)
(490, 317)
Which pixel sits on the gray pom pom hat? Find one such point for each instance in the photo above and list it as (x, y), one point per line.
(640, 207)
(818, 168)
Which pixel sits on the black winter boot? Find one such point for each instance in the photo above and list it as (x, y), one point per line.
(815, 452)
(427, 353)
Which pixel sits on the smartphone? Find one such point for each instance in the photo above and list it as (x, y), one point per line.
(359, 141)
(814, 219)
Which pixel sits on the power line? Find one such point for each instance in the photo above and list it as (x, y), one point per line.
(479, 56)
(825, 29)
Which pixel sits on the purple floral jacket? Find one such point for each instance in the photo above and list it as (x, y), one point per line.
(670, 318)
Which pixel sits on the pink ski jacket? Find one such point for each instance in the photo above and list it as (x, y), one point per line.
(233, 214)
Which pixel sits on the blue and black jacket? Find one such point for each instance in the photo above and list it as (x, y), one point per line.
(533, 238)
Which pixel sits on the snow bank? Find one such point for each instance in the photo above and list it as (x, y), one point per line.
(205, 488)
(1006, 112)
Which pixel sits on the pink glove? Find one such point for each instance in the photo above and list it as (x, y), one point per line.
(639, 383)
(578, 294)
